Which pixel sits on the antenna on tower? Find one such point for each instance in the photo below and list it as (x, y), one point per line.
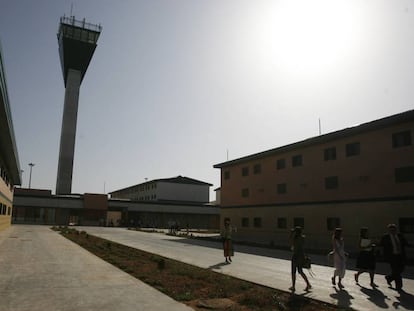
(320, 131)
(71, 9)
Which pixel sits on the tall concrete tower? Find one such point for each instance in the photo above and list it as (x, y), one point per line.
(77, 43)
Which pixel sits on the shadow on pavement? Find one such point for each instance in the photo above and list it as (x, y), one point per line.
(405, 300)
(343, 298)
(218, 266)
(376, 296)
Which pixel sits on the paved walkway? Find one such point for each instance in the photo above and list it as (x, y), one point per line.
(272, 268)
(41, 270)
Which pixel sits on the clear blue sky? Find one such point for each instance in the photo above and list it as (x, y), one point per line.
(176, 86)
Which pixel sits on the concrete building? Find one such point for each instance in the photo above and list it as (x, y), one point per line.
(175, 189)
(77, 43)
(34, 206)
(9, 160)
(359, 176)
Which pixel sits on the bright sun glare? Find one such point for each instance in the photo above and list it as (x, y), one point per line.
(311, 37)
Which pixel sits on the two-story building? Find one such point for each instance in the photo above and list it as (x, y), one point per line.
(361, 176)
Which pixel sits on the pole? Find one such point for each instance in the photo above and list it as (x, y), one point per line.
(30, 176)
(320, 130)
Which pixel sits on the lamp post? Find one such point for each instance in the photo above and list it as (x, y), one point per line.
(30, 176)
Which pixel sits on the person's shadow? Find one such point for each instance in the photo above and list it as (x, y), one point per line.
(218, 266)
(405, 300)
(376, 296)
(343, 298)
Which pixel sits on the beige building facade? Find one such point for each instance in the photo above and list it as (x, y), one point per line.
(361, 176)
(9, 162)
(175, 189)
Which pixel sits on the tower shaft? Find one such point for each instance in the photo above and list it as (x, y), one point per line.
(68, 133)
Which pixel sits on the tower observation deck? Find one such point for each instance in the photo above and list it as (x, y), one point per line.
(77, 43)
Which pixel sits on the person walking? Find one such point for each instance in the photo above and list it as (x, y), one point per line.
(227, 241)
(297, 241)
(394, 253)
(339, 257)
(366, 261)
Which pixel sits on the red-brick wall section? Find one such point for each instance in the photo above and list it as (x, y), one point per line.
(95, 201)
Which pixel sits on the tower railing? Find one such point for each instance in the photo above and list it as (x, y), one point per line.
(82, 24)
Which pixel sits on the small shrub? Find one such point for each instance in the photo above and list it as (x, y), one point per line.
(161, 264)
(187, 296)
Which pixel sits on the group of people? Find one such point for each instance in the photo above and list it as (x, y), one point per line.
(393, 244)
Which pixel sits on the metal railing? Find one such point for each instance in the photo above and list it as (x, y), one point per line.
(82, 24)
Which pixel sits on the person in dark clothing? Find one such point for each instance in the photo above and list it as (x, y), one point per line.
(394, 245)
(297, 241)
(366, 261)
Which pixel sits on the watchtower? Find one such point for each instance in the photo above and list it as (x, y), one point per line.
(77, 43)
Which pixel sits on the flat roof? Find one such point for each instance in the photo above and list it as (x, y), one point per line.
(175, 180)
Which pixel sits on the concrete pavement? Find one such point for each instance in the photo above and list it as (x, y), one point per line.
(40, 270)
(272, 268)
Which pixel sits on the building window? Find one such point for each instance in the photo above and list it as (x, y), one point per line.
(299, 221)
(245, 171)
(281, 223)
(281, 188)
(352, 149)
(406, 225)
(331, 182)
(332, 223)
(245, 192)
(281, 164)
(257, 169)
(257, 222)
(9, 210)
(245, 222)
(401, 139)
(330, 154)
(297, 160)
(404, 174)
(226, 174)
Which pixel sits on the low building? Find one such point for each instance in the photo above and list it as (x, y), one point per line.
(9, 161)
(176, 189)
(361, 176)
(34, 206)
